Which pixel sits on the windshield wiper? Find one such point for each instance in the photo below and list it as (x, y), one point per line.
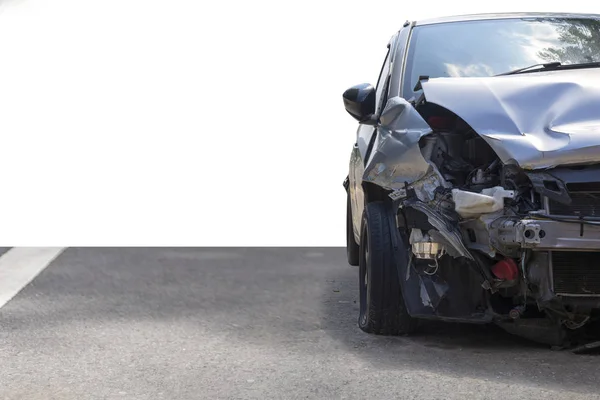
(532, 68)
(552, 66)
(592, 64)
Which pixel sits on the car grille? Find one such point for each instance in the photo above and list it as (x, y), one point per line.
(576, 273)
(585, 201)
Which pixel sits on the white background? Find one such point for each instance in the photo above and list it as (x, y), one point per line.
(143, 122)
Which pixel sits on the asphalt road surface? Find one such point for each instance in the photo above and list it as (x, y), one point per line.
(248, 324)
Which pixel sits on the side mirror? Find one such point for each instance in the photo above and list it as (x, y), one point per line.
(359, 101)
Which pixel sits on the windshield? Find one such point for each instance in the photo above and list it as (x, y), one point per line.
(486, 48)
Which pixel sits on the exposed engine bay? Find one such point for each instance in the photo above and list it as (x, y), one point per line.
(490, 241)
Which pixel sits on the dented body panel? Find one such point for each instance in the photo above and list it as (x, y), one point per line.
(397, 158)
(539, 120)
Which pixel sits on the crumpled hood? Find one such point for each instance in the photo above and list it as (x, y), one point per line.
(538, 120)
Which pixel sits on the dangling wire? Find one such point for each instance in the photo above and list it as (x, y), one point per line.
(572, 325)
(436, 266)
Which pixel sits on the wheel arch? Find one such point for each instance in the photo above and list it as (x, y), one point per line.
(372, 193)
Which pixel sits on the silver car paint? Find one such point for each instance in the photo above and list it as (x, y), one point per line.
(397, 157)
(360, 154)
(536, 120)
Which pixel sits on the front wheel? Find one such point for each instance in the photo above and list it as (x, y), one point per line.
(382, 309)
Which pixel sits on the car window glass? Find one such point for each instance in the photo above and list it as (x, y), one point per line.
(382, 81)
(491, 47)
(384, 94)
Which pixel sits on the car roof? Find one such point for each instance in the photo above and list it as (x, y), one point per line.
(488, 16)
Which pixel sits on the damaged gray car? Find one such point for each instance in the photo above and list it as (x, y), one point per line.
(474, 184)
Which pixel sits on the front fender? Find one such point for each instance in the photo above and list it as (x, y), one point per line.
(397, 159)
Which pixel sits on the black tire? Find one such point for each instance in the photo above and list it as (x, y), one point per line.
(382, 309)
(352, 247)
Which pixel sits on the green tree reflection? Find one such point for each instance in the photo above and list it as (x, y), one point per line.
(580, 41)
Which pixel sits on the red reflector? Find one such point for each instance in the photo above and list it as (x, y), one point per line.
(506, 269)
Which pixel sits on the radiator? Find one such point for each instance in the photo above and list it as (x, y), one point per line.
(576, 273)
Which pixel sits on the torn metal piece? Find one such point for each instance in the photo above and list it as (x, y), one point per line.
(416, 235)
(425, 187)
(431, 292)
(425, 299)
(397, 158)
(476, 233)
(438, 221)
(397, 194)
(539, 274)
